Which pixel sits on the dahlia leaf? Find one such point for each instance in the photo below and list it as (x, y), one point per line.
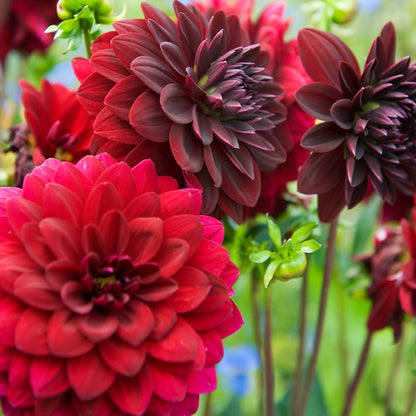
(274, 232)
(303, 232)
(260, 256)
(270, 272)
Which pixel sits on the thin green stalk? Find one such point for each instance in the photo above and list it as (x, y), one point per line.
(296, 402)
(329, 258)
(87, 40)
(412, 400)
(208, 401)
(392, 378)
(352, 388)
(268, 355)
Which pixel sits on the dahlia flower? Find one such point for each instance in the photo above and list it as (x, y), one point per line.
(367, 133)
(60, 125)
(23, 24)
(191, 94)
(385, 267)
(284, 64)
(115, 292)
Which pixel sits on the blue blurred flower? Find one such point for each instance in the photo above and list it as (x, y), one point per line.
(237, 369)
(369, 6)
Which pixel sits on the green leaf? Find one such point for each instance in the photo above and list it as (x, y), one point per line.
(260, 256)
(302, 233)
(274, 232)
(270, 271)
(308, 246)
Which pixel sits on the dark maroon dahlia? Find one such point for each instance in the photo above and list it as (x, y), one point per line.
(368, 129)
(191, 94)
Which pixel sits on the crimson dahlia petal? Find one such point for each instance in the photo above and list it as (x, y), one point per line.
(115, 293)
(193, 95)
(368, 121)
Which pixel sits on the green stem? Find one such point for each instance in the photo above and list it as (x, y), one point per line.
(87, 40)
(301, 351)
(329, 258)
(352, 388)
(268, 354)
(393, 376)
(412, 400)
(208, 401)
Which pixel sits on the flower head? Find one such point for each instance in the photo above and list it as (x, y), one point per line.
(115, 292)
(60, 125)
(368, 129)
(269, 31)
(193, 95)
(385, 266)
(23, 24)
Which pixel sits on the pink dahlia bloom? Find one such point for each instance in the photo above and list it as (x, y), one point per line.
(60, 125)
(115, 293)
(23, 24)
(284, 64)
(193, 95)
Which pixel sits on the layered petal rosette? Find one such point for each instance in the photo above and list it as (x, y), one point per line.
(115, 292)
(59, 124)
(193, 95)
(367, 134)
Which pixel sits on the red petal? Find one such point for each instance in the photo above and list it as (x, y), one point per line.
(98, 325)
(193, 288)
(74, 297)
(165, 318)
(210, 256)
(121, 357)
(35, 245)
(20, 211)
(64, 336)
(107, 64)
(48, 377)
(89, 376)
(172, 256)
(180, 345)
(148, 119)
(73, 179)
(167, 385)
(145, 205)
(10, 312)
(146, 177)
(136, 321)
(19, 368)
(59, 272)
(181, 201)
(202, 382)
(132, 394)
(115, 231)
(213, 229)
(146, 237)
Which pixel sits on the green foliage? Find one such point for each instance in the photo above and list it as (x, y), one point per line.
(287, 259)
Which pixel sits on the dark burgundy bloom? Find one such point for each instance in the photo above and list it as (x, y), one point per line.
(193, 95)
(115, 293)
(284, 64)
(59, 124)
(23, 24)
(408, 289)
(385, 266)
(368, 129)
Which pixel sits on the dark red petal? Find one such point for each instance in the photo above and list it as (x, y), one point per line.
(121, 357)
(172, 347)
(168, 386)
(58, 272)
(322, 172)
(152, 72)
(122, 96)
(343, 113)
(137, 389)
(34, 290)
(48, 377)
(108, 65)
(186, 149)
(31, 329)
(317, 99)
(321, 52)
(18, 369)
(89, 376)
(136, 321)
(172, 255)
(323, 137)
(162, 289)
(177, 104)
(75, 298)
(148, 119)
(193, 288)
(64, 336)
(145, 240)
(98, 325)
(103, 198)
(331, 203)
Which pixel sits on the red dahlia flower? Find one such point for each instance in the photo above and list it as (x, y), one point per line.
(60, 125)
(285, 66)
(385, 266)
(191, 94)
(368, 128)
(115, 293)
(23, 24)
